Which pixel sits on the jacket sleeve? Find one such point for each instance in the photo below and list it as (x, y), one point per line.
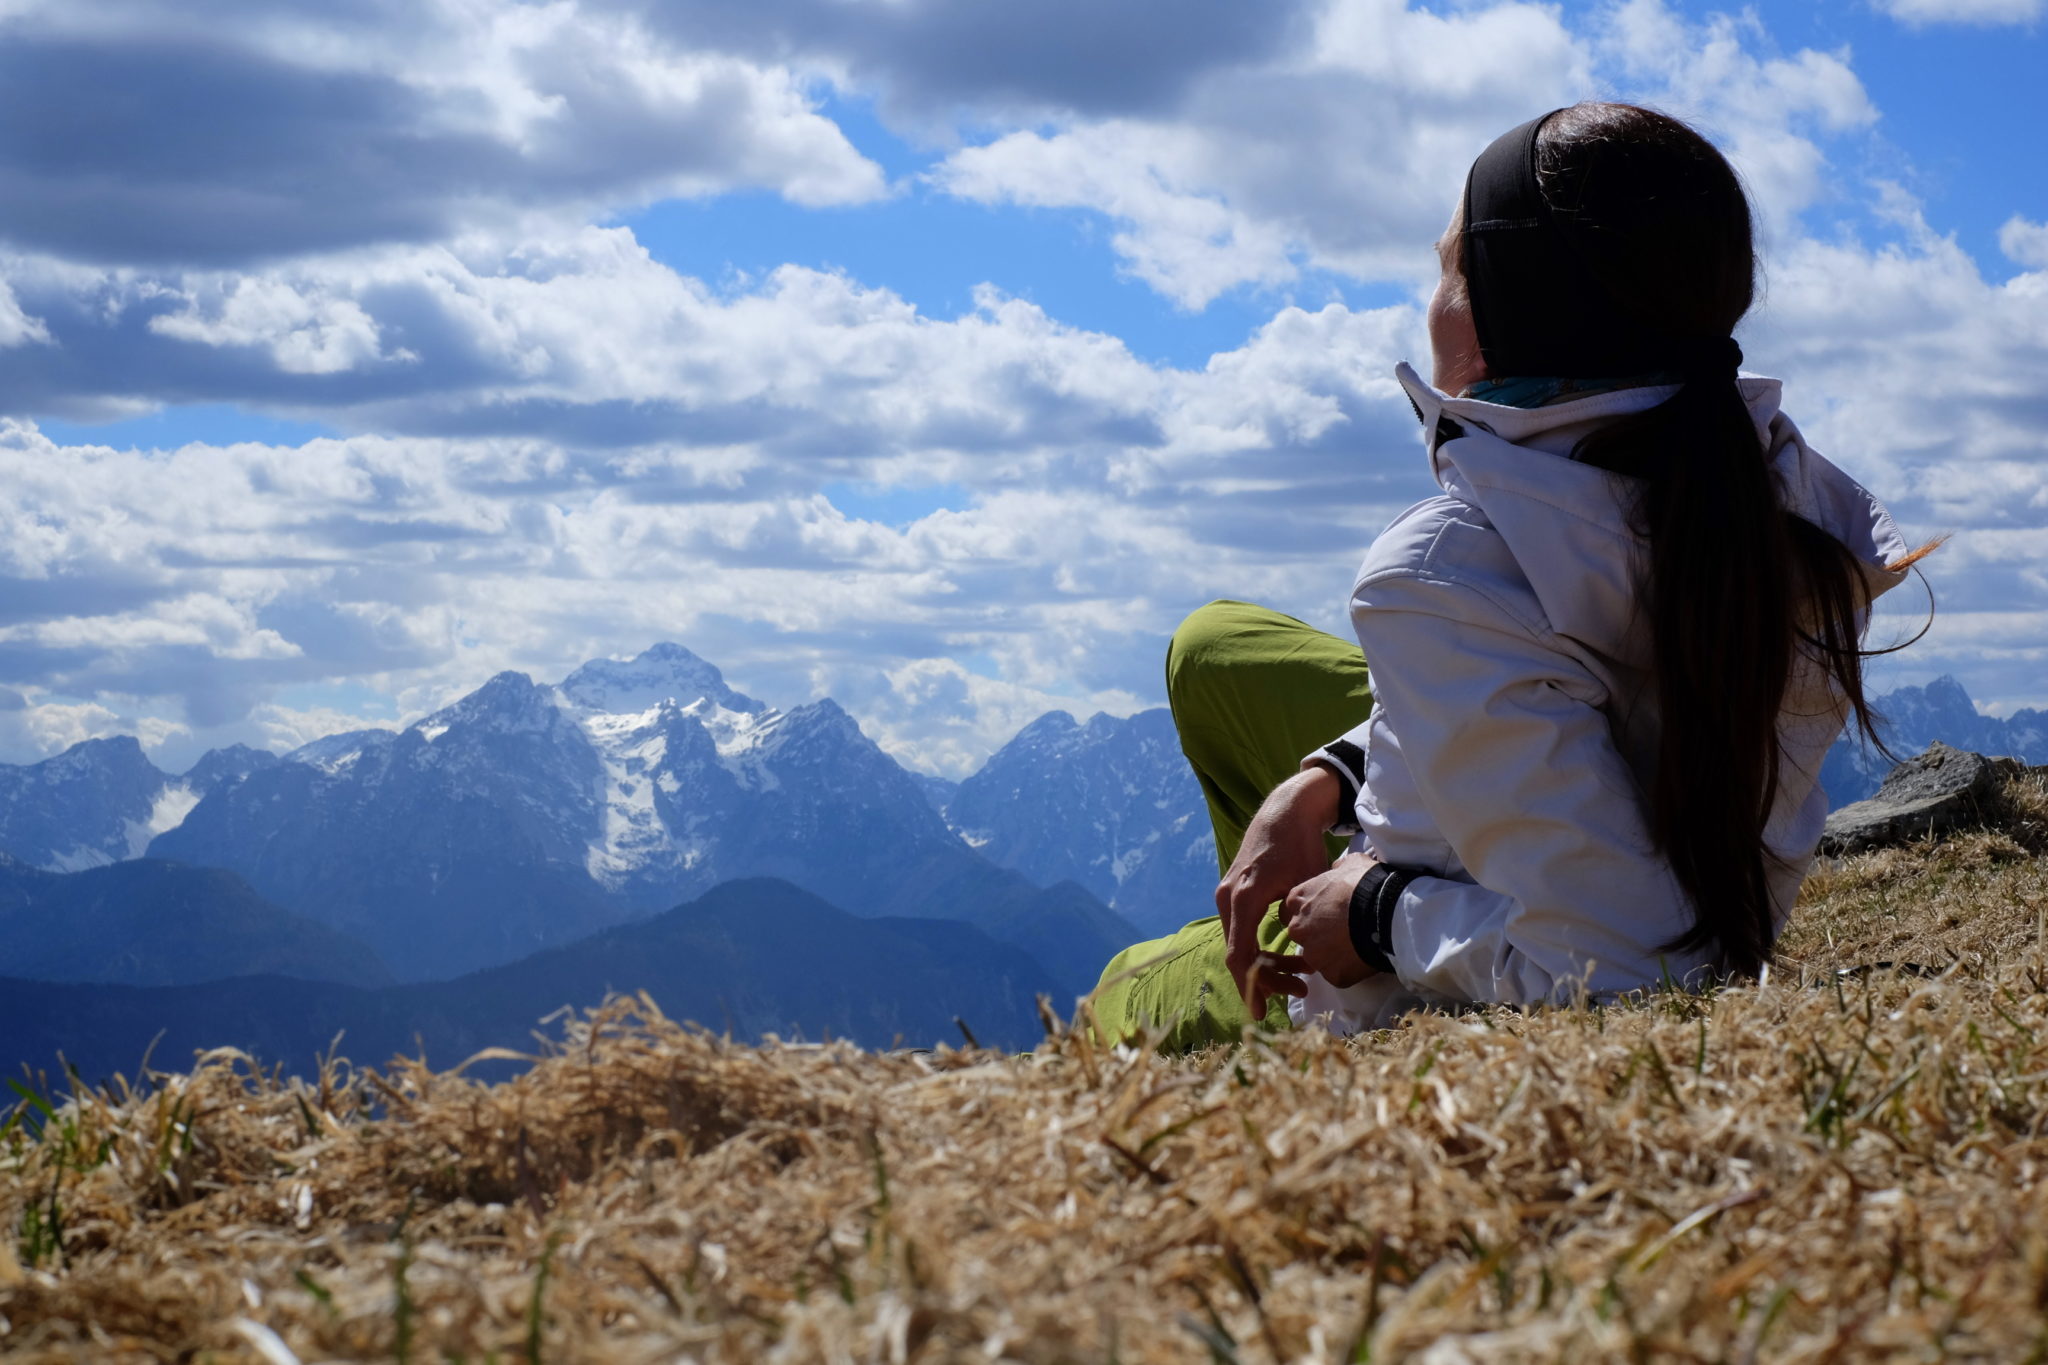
(1345, 757)
(1502, 730)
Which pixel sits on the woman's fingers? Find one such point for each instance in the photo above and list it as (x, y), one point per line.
(1294, 902)
(1282, 847)
(1272, 974)
(1241, 935)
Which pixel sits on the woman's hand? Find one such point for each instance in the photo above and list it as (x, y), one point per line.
(1283, 847)
(1318, 915)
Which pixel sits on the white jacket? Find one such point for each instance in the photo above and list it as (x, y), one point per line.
(1514, 726)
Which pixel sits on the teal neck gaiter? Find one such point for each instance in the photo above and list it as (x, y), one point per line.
(1537, 392)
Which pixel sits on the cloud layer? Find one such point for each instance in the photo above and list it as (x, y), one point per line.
(1985, 12)
(400, 221)
(131, 134)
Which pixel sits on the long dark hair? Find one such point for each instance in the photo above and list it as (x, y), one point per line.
(1738, 593)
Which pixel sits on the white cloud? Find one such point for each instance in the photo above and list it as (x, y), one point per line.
(1104, 496)
(1107, 497)
(2024, 242)
(938, 716)
(284, 728)
(303, 335)
(16, 327)
(1922, 376)
(1923, 12)
(39, 727)
(1343, 152)
(1346, 151)
(1185, 241)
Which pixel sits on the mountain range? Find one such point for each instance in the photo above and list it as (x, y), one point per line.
(1110, 805)
(101, 801)
(522, 819)
(1911, 718)
(527, 817)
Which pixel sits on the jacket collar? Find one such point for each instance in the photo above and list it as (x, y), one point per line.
(1567, 523)
(1558, 427)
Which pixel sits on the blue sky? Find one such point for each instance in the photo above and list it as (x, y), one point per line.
(933, 357)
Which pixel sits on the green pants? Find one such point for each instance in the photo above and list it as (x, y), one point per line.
(1252, 692)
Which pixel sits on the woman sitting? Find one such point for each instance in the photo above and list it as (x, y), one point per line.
(1607, 658)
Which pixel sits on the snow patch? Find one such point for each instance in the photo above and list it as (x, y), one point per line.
(1131, 859)
(77, 859)
(631, 833)
(169, 810)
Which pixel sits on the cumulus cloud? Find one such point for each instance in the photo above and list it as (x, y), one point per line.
(130, 133)
(304, 335)
(1344, 150)
(1109, 496)
(35, 728)
(2024, 242)
(556, 447)
(1922, 375)
(680, 493)
(1984, 12)
(16, 327)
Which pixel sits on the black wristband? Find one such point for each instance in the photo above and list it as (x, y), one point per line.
(1344, 761)
(1372, 914)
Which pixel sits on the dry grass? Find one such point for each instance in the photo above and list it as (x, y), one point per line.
(1849, 1171)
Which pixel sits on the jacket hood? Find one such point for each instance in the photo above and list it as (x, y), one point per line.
(1566, 523)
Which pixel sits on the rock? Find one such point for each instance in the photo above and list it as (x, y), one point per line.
(1936, 792)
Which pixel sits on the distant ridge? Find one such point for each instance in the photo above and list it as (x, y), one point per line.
(1915, 717)
(750, 958)
(1110, 805)
(152, 923)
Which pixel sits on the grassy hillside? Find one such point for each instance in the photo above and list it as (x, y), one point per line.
(1818, 1169)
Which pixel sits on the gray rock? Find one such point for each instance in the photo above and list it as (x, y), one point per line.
(1941, 790)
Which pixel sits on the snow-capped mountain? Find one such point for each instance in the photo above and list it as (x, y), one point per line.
(1111, 804)
(525, 815)
(101, 801)
(1913, 718)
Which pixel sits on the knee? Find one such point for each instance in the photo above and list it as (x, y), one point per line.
(1195, 650)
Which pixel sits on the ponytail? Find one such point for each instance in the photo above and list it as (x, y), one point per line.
(1738, 594)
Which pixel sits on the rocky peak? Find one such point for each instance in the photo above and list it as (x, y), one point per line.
(1945, 694)
(116, 754)
(229, 764)
(508, 702)
(84, 807)
(332, 753)
(1109, 804)
(665, 672)
(1051, 732)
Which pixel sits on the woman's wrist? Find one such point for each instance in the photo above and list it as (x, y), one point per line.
(1373, 902)
(1320, 792)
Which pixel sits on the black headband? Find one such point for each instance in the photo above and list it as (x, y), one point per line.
(1537, 304)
